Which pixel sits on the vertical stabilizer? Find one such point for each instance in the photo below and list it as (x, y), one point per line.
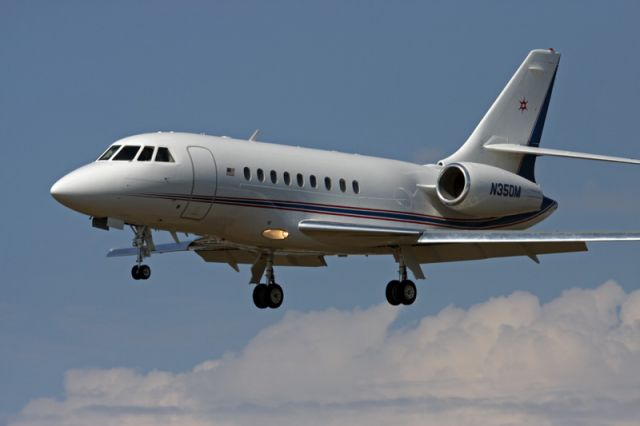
(516, 117)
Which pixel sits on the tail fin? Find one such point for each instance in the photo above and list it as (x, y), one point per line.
(516, 117)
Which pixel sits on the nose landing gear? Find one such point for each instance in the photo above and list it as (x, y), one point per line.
(143, 241)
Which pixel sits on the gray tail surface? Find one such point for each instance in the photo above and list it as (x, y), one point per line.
(516, 117)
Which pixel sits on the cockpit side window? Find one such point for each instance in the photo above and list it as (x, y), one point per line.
(146, 154)
(163, 155)
(127, 153)
(109, 152)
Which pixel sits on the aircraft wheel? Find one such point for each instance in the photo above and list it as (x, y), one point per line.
(260, 296)
(393, 293)
(144, 272)
(408, 292)
(275, 296)
(135, 272)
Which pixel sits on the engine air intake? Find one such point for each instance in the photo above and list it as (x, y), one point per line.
(453, 184)
(482, 190)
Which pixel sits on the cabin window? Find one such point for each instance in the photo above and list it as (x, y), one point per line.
(109, 152)
(164, 156)
(313, 181)
(356, 187)
(127, 153)
(343, 185)
(300, 180)
(146, 154)
(260, 174)
(287, 178)
(327, 183)
(247, 173)
(274, 176)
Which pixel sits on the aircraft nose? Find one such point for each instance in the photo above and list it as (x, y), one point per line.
(67, 190)
(59, 190)
(79, 190)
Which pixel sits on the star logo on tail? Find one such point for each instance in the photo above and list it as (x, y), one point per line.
(523, 105)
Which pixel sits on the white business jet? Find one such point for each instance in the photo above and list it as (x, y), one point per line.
(271, 205)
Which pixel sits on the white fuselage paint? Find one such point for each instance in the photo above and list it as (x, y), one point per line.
(205, 192)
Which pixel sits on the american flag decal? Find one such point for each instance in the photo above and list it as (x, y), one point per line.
(231, 171)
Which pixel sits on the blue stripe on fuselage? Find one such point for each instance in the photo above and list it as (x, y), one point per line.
(366, 213)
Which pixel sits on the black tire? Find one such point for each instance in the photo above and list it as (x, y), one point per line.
(144, 272)
(408, 292)
(393, 292)
(135, 272)
(260, 296)
(275, 296)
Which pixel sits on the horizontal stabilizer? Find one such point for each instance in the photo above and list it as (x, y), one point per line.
(468, 237)
(534, 150)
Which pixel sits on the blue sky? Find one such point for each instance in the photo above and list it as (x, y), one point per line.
(406, 80)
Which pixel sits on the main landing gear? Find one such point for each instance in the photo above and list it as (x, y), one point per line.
(402, 291)
(269, 295)
(143, 241)
(140, 272)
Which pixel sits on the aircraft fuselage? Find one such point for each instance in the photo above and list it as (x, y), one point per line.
(236, 190)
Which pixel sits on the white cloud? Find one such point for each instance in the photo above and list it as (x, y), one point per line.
(509, 360)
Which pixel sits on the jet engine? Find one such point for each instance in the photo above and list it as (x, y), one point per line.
(481, 190)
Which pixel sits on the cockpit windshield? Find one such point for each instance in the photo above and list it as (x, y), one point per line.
(146, 154)
(109, 152)
(127, 153)
(164, 156)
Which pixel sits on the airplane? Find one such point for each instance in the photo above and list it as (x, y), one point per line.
(269, 205)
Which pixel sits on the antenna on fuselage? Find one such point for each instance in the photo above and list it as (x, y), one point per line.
(254, 135)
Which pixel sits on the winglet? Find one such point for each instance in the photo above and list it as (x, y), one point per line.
(254, 135)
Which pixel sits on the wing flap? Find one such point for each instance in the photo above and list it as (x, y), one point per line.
(235, 256)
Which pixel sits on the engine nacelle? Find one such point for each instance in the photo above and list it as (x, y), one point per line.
(481, 190)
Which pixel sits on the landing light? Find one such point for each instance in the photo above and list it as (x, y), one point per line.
(275, 234)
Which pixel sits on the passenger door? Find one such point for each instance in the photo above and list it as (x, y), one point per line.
(203, 189)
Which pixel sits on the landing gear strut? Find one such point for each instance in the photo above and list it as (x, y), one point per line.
(401, 291)
(143, 241)
(269, 295)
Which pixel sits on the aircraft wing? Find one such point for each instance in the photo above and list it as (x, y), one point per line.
(448, 246)
(159, 248)
(418, 246)
(212, 250)
(440, 246)
(524, 237)
(322, 228)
